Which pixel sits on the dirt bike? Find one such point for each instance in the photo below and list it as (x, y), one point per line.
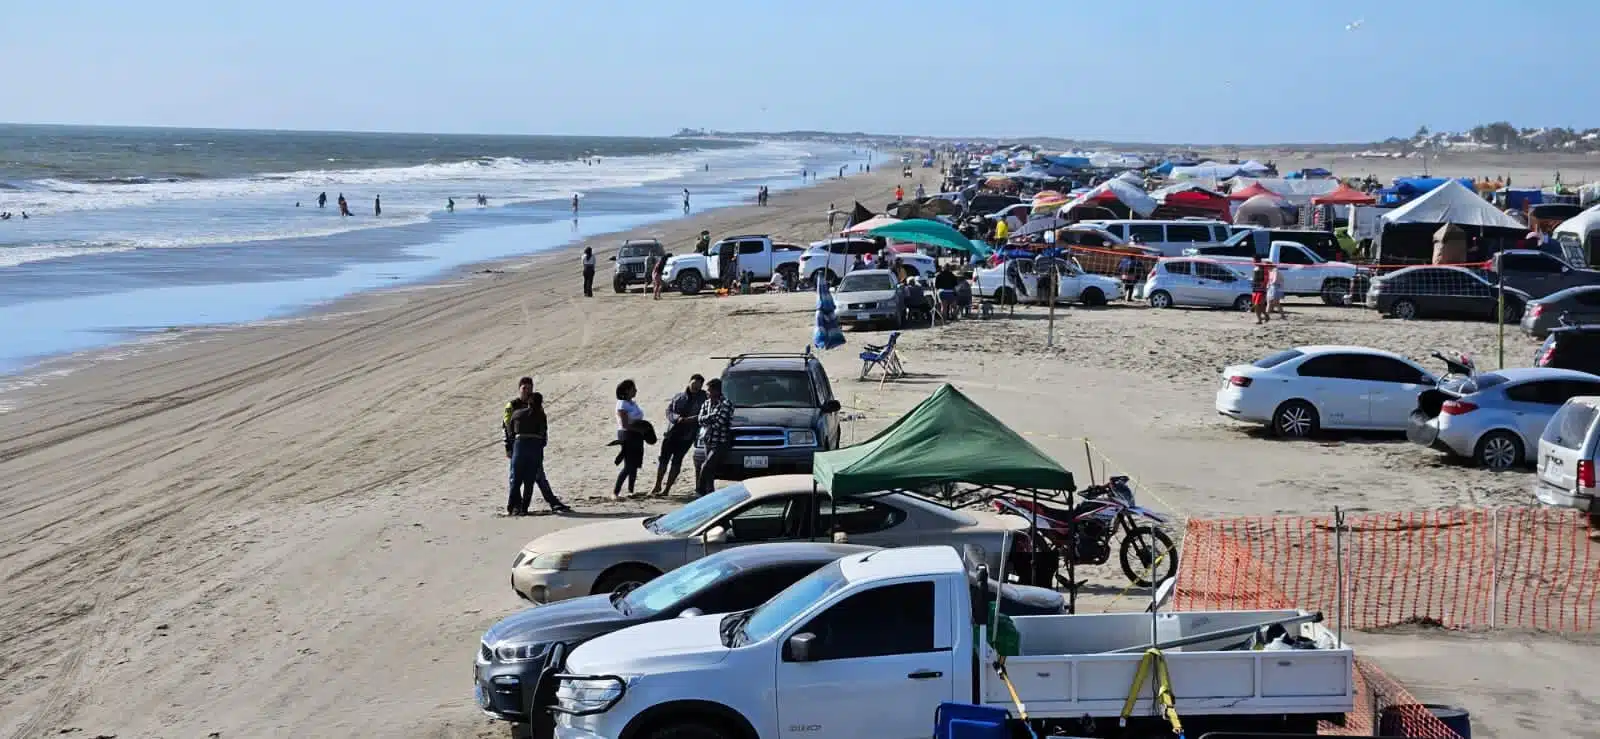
(1084, 533)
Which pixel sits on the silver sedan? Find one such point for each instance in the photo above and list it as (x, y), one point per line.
(611, 556)
(1572, 305)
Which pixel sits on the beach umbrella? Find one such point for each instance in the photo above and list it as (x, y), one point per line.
(929, 233)
(869, 224)
(828, 334)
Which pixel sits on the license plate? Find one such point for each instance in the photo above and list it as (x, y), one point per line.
(755, 463)
(862, 317)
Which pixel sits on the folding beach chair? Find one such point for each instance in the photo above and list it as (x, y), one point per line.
(882, 358)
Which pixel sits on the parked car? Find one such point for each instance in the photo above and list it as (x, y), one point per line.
(1099, 251)
(1199, 282)
(869, 296)
(1571, 347)
(1537, 273)
(1567, 451)
(608, 556)
(784, 412)
(1297, 392)
(513, 654)
(1575, 305)
(1017, 280)
(833, 258)
(1496, 418)
(757, 254)
(631, 260)
(1170, 237)
(1442, 292)
(1250, 241)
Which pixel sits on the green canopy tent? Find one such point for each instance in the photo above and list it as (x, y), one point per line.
(930, 233)
(946, 439)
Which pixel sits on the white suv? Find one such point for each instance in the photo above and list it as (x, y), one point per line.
(1171, 237)
(834, 258)
(1566, 465)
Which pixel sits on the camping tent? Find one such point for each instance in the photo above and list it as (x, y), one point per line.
(1253, 167)
(1451, 202)
(1267, 211)
(1297, 192)
(1345, 195)
(1130, 195)
(1249, 191)
(947, 438)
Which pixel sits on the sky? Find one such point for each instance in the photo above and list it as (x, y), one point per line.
(1167, 71)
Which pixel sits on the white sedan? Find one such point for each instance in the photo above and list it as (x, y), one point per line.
(1298, 391)
(1017, 280)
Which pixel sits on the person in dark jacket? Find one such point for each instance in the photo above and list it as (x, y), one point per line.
(683, 425)
(526, 434)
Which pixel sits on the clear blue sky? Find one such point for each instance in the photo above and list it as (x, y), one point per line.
(1242, 71)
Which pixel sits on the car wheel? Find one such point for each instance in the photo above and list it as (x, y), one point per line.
(1498, 451)
(618, 284)
(1512, 312)
(623, 578)
(1403, 309)
(1334, 292)
(689, 283)
(1160, 299)
(1092, 297)
(690, 729)
(1242, 303)
(1295, 419)
(791, 274)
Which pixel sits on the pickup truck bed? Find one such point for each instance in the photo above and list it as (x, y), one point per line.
(1064, 672)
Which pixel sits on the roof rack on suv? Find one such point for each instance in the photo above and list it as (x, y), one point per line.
(737, 358)
(746, 236)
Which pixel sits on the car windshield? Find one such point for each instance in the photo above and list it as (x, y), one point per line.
(858, 283)
(1275, 359)
(688, 519)
(635, 251)
(674, 587)
(768, 389)
(776, 613)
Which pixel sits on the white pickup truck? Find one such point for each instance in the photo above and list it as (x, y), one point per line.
(872, 644)
(1303, 271)
(757, 254)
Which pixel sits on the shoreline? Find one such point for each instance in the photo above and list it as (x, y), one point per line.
(418, 258)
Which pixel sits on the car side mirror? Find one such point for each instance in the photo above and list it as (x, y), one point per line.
(691, 613)
(716, 535)
(800, 647)
(613, 259)
(832, 406)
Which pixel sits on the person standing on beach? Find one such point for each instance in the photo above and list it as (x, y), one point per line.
(686, 200)
(526, 434)
(629, 417)
(655, 277)
(716, 430)
(703, 243)
(1258, 291)
(322, 199)
(1275, 291)
(588, 272)
(449, 205)
(344, 205)
(377, 205)
(683, 425)
(574, 205)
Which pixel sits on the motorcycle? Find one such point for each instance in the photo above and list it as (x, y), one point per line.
(1084, 533)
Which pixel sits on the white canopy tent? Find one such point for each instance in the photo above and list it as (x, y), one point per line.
(1129, 194)
(1450, 202)
(1298, 192)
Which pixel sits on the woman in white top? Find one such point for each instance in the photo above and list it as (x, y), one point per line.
(632, 455)
(1275, 290)
(588, 272)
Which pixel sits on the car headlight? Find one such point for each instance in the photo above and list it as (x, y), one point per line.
(551, 561)
(511, 653)
(805, 437)
(588, 695)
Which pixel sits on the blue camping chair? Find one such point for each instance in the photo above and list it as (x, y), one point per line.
(883, 359)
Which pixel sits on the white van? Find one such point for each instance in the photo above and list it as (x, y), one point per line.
(1567, 457)
(1171, 237)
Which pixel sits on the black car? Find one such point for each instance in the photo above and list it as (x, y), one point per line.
(784, 412)
(1571, 347)
(517, 654)
(514, 652)
(1442, 292)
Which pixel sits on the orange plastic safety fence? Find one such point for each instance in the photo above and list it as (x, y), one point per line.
(1532, 568)
(1383, 703)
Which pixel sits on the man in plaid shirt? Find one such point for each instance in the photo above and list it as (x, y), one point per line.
(716, 430)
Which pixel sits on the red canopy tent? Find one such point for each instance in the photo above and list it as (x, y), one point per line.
(1345, 195)
(1197, 202)
(1251, 191)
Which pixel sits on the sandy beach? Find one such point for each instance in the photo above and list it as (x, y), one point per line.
(292, 529)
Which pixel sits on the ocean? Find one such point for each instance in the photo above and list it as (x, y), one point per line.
(135, 231)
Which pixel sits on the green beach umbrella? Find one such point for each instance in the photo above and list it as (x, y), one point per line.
(930, 233)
